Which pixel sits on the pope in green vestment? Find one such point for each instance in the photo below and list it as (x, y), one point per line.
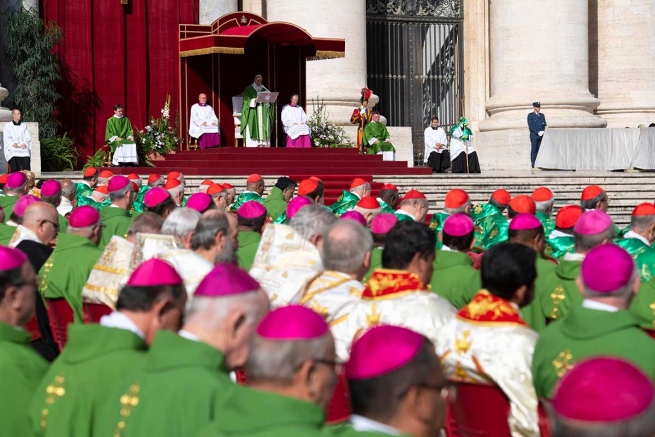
(256, 118)
(275, 203)
(94, 360)
(585, 333)
(67, 269)
(345, 202)
(376, 138)
(248, 244)
(21, 370)
(183, 385)
(116, 221)
(7, 203)
(256, 413)
(643, 305)
(244, 197)
(118, 127)
(643, 254)
(436, 224)
(454, 277)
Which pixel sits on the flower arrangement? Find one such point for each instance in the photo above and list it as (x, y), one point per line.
(160, 136)
(324, 134)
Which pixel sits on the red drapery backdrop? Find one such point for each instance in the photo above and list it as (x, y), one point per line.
(115, 53)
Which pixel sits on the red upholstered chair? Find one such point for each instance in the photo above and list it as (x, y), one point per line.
(482, 410)
(340, 407)
(650, 332)
(93, 312)
(33, 328)
(60, 315)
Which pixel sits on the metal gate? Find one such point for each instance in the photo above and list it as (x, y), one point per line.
(415, 62)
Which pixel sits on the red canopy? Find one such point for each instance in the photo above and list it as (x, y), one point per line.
(230, 33)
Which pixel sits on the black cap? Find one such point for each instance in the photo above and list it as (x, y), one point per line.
(284, 182)
(536, 104)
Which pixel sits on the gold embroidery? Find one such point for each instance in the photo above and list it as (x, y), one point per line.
(652, 307)
(562, 363)
(460, 373)
(494, 233)
(337, 321)
(108, 254)
(102, 290)
(128, 401)
(462, 345)
(53, 391)
(43, 285)
(108, 269)
(558, 296)
(320, 309)
(373, 319)
(478, 209)
(481, 307)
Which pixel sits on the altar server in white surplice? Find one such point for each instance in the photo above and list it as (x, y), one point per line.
(436, 155)
(294, 120)
(489, 343)
(204, 124)
(17, 143)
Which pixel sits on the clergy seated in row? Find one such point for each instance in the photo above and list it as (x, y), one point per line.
(204, 124)
(378, 140)
(294, 120)
(291, 370)
(359, 189)
(119, 136)
(17, 143)
(397, 294)
(256, 118)
(463, 156)
(436, 155)
(489, 343)
(561, 241)
(15, 187)
(98, 356)
(600, 326)
(184, 381)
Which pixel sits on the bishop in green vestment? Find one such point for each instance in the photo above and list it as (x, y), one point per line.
(638, 240)
(116, 217)
(643, 305)
(376, 137)
(277, 200)
(67, 269)
(601, 325)
(7, 203)
(250, 221)
(256, 118)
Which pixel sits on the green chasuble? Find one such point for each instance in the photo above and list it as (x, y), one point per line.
(345, 202)
(116, 221)
(255, 413)
(557, 247)
(643, 305)
(491, 226)
(556, 294)
(436, 224)
(643, 254)
(88, 201)
(7, 203)
(454, 277)
(376, 263)
(533, 314)
(248, 244)
(258, 119)
(21, 368)
(82, 190)
(275, 203)
(377, 131)
(386, 208)
(63, 224)
(94, 360)
(244, 197)
(182, 386)
(137, 204)
(6, 232)
(547, 222)
(118, 127)
(585, 333)
(67, 269)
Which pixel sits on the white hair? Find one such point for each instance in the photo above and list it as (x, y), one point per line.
(361, 188)
(176, 190)
(180, 222)
(364, 211)
(312, 220)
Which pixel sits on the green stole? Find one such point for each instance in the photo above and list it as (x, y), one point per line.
(118, 127)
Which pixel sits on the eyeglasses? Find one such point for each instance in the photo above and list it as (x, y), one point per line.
(336, 365)
(448, 391)
(54, 224)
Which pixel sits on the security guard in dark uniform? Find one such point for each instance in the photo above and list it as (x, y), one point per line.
(537, 125)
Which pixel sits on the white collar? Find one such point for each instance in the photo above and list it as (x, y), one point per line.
(558, 234)
(116, 116)
(362, 424)
(446, 248)
(403, 212)
(188, 335)
(599, 306)
(121, 321)
(11, 223)
(636, 236)
(111, 205)
(253, 192)
(27, 234)
(85, 183)
(574, 256)
(65, 201)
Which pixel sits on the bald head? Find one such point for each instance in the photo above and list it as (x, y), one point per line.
(68, 189)
(347, 248)
(42, 219)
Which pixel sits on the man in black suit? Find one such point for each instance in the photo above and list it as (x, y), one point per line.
(537, 126)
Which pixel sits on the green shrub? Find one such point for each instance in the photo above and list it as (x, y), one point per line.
(58, 154)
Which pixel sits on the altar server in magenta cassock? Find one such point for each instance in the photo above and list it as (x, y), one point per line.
(294, 120)
(204, 124)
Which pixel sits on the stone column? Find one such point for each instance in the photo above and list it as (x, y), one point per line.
(337, 81)
(255, 7)
(539, 51)
(211, 10)
(626, 58)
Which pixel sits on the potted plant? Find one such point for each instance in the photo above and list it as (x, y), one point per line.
(160, 138)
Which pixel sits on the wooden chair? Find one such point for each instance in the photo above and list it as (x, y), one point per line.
(340, 407)
(60, 315)
(482, 410)
(93, 312)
